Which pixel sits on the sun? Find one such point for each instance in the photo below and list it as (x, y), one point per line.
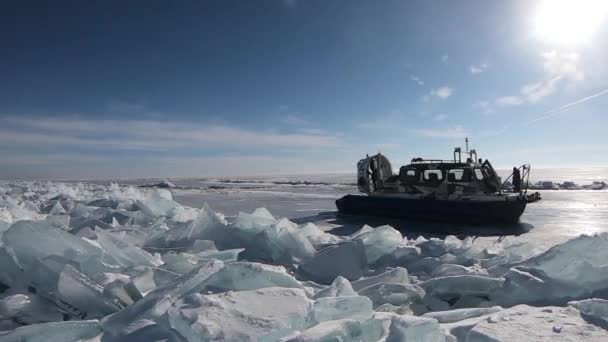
(569, 21)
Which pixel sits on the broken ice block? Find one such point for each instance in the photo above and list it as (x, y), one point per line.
(346, 259)
(456, 286)
(54, 242)
(156, 303)
(338, 330)
(243, 276)
(70, 331)
(333, 308)
(397, 275)
(159, 202)
(260, 315)
(393, 293)
(379, 242)
(340, 287)
(256, 222)
(82, 293)
(122, 252)
(412, 328)
(460, 314)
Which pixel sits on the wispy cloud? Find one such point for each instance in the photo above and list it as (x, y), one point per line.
(145, 134)
(293, 119)
(478, 69)
(509, 101)
(441, 92)
(559, 68)
(450, 132)
(417, 80)
(444, 59)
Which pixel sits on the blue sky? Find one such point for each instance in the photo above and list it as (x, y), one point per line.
(216, 88)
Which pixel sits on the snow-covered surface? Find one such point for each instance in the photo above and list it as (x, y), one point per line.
(94, 262)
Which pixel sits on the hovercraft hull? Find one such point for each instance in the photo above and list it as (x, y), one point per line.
(461, 211)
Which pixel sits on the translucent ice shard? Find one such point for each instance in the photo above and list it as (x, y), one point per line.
(207, 225)
(318, 237)
(147, 279)
(122, 252)
(333, 308)
(53, 242)
(228, 255)
(393, 293)
(340, 287)
(453, 287)
(347, 259)
(81, 292)
(69, 331)
(145, 331)
(412, 328)
(157, 302)
(397, 275)
(242, 276)
(28, 309)
(338, 330)
(380, 241)
(181, 262)
(256, 222)
(159, 202)
(573, 270)
(280, 243)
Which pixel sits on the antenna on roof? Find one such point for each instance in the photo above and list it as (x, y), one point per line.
(466, 140)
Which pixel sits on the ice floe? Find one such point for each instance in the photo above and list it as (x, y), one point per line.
(86, 262)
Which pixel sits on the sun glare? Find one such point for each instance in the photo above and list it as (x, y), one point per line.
(569, 21)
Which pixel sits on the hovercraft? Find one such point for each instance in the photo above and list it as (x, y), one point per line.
(468, 191)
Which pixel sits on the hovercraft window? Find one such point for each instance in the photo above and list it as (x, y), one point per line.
(456, 175)
(433, 176)
(409, 175)
(479, 174)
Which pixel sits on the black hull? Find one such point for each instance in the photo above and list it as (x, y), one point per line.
(433, 210)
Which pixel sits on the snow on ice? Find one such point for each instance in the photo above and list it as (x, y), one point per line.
(87, 262)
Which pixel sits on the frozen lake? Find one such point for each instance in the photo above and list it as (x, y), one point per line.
(559, 216)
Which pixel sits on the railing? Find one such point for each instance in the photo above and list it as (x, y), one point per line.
(433, 161)
(525, 178)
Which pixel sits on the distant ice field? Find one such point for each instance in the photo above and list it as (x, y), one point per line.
(311, 198)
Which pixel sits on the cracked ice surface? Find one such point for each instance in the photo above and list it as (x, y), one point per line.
(87, 262)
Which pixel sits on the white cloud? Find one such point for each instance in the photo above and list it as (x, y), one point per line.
(145, 135)
(451, 132)
(509, 101)
(478, 69)
(417, 80)
(442, 92)
(559, 68)
(444, 59)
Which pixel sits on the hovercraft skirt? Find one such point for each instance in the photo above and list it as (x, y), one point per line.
(462, 211)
